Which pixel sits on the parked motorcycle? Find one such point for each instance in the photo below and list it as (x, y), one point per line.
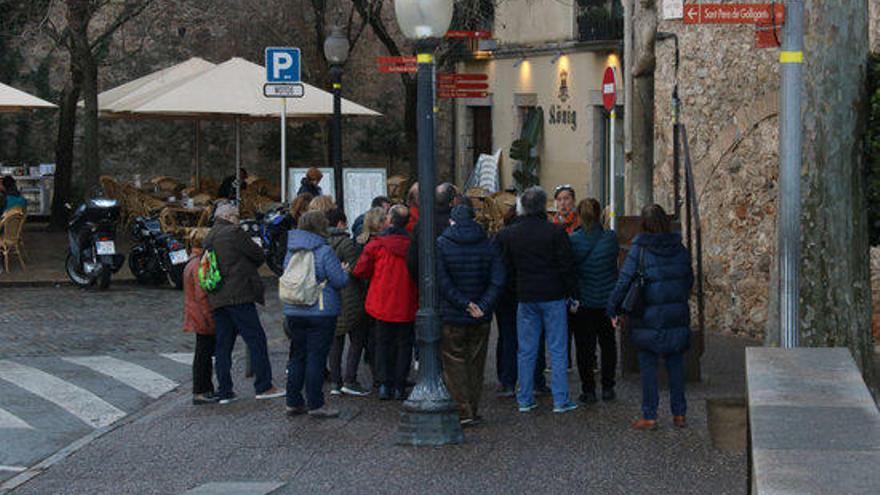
(91, 232)
(273, 227)
(156, 256)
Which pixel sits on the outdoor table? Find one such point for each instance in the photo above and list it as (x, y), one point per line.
(189, 216)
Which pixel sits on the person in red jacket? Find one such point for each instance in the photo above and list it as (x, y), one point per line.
(198, 319)
(392, 300)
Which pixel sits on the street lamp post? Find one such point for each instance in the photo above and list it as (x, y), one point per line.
(430, 416)
(336, 52)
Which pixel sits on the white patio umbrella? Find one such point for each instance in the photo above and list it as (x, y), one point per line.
(13, 100)
(234, 90)
(117, 102)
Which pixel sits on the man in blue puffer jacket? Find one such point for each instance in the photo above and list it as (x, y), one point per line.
(470, 275)
(663, 327)
(312, 327)
(595, 253)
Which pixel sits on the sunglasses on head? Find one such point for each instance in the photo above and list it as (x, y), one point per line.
(563, 187)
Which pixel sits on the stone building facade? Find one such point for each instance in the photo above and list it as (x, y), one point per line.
(730, 105)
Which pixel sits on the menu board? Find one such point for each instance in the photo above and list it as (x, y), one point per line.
(360, 186)
(296, 175)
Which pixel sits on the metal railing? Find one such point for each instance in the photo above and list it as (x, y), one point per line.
(599, 20)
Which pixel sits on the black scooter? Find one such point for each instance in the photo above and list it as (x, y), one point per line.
(156, 255)
(92, 257)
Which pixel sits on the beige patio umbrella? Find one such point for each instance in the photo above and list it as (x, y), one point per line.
(113, 102)
(13, 100)
(234, 90)
(117, 102)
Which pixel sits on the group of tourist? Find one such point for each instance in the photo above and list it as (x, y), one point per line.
(546, 278)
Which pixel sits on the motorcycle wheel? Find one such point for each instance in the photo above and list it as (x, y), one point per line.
(73, 273)
(104, 279)
(138, 263)
(275, 257)
(175, 274)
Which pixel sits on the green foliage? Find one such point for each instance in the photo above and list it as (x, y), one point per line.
(872, 152)
(525, 150)
(303, 144)
(385, 136)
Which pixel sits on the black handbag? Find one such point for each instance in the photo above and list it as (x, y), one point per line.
(633, 303)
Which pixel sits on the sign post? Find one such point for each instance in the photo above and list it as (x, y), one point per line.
(609, 99)
(283, 81)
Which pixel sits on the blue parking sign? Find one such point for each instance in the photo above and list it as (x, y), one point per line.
(282, 64)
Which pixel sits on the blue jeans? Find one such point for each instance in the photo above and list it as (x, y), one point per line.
(650, 394)
(531, 318)
(310, 340)
(232, 321)
(506, 348)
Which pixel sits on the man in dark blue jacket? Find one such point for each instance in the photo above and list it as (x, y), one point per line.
(471, 277)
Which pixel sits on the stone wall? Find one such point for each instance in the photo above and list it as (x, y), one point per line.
(729, 90)
(171, 32)
(729, 93)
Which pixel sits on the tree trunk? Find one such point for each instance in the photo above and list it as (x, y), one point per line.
(639, 163)
(91, 163)
(82, 59)
(64, 150)
(835, 279)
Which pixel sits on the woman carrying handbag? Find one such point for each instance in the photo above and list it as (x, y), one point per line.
(653, 292)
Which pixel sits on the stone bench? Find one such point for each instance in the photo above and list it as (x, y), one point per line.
(813, 426)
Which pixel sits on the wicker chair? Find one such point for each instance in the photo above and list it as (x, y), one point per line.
(11, 225)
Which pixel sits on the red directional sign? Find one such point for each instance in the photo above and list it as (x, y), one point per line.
(480, 35)
(462, 85)
(609, 89)
(734, 13)
(448, 77)
(462, 94)
(397, 64)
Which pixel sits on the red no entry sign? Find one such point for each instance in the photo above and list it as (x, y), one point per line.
(734, 13)
(609, 89)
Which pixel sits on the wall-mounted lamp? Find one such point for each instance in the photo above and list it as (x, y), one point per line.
(556, 58)
(519, 62)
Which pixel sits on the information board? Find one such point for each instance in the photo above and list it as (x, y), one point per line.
(360, 186)
(296, 175)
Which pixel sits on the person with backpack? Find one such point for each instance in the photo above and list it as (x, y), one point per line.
(392, 300)
(234, 288)
(470, 276)
(197, 319)
(352, 321)
(595, 253)
(310, 290)
(659, 319)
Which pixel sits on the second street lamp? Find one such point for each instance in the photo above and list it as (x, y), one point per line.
(430, 416)
(336, 52)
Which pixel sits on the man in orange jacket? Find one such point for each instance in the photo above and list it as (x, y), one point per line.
(392, 300)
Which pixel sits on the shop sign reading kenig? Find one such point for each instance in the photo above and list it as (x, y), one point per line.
(559, 115)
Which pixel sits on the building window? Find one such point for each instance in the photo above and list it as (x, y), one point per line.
(600, 20)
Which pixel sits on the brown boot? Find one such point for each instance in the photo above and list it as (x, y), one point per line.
(645, 424)
(679, 421)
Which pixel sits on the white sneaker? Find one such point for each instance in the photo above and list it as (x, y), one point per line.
(272, 393)
(335, 391)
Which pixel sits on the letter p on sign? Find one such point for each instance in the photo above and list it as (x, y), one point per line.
(282, 65)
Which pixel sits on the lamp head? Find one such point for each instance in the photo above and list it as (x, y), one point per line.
(423, 19)
(336, 46)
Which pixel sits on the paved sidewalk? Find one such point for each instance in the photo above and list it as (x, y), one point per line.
(172, 447)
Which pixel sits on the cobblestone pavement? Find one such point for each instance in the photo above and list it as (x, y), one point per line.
(168, 446)
(126, 318)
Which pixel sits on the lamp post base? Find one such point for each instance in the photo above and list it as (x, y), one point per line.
(431, 428)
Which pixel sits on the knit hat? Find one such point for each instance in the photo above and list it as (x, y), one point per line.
(462, 213)
(227, 211)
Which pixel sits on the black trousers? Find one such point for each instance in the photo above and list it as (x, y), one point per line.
(590, 325)
(394, 342)
(202, 368)
(357, 340)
